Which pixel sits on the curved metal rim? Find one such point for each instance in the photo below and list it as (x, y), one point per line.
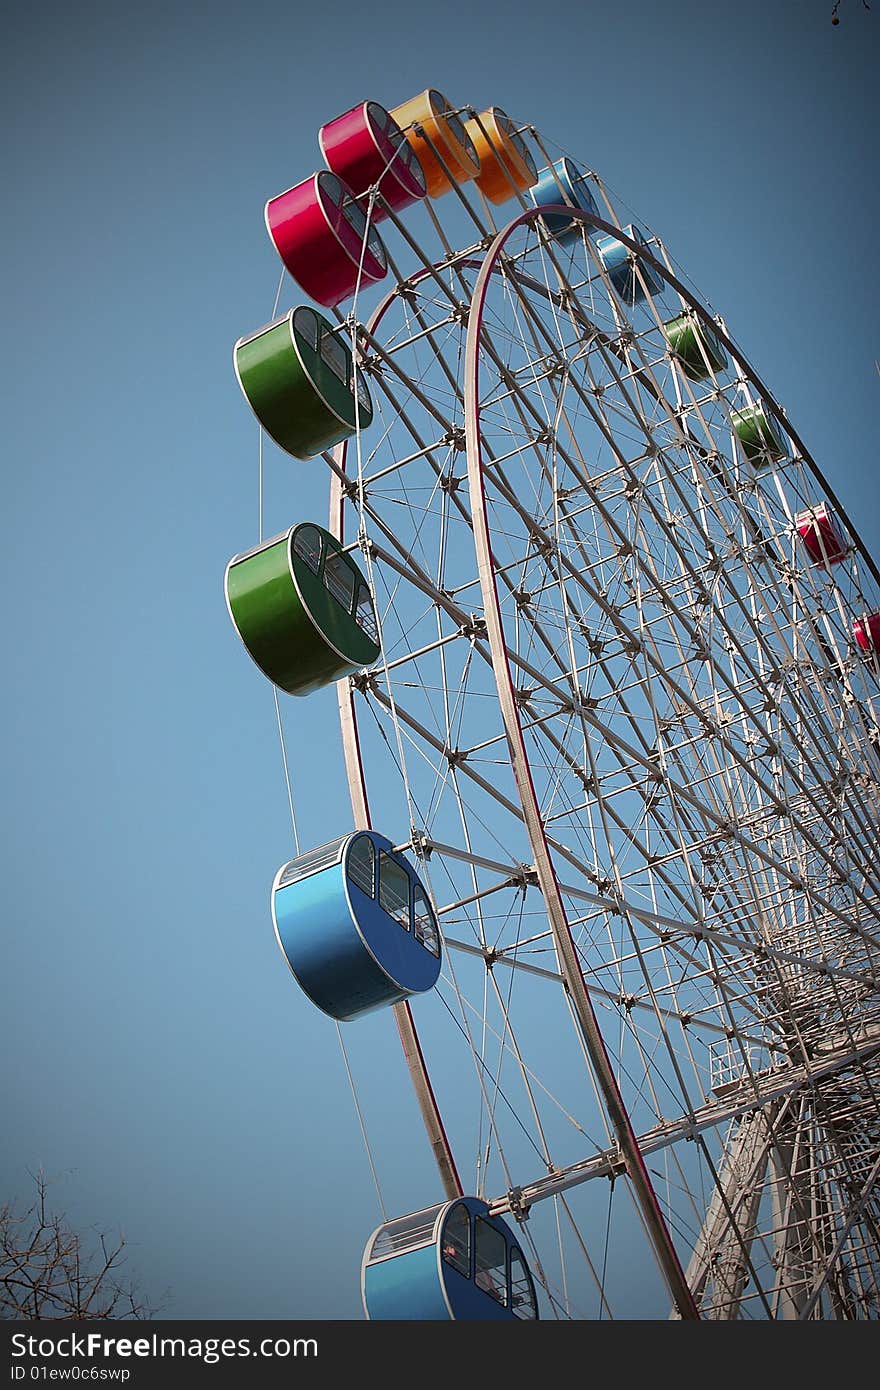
(549, 885)
(357, 788)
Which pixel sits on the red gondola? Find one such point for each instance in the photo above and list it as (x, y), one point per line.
(320, 232)
(366, 148)
(820, 532)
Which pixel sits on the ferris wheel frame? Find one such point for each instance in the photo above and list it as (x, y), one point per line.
(664, 1248)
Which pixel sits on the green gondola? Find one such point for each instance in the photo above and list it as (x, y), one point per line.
(759, 435)
(695, 345)
(303, 609)
(299, 378)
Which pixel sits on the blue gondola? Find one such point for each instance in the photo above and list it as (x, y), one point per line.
(355, 925)
(619, 261)
(449, 1262)
(563, 182)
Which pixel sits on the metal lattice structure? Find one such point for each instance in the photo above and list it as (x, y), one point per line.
(622, 720)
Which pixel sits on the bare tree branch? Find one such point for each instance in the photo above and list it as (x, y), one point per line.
(49, 1271)
(835, 17)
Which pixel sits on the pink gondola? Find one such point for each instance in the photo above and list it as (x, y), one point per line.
(321, 234)
(821, 534)
(866, 631)
(366, 148)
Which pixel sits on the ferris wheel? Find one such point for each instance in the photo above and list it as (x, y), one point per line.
(607, 656)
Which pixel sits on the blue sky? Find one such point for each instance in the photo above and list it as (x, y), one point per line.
(158, 1057)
